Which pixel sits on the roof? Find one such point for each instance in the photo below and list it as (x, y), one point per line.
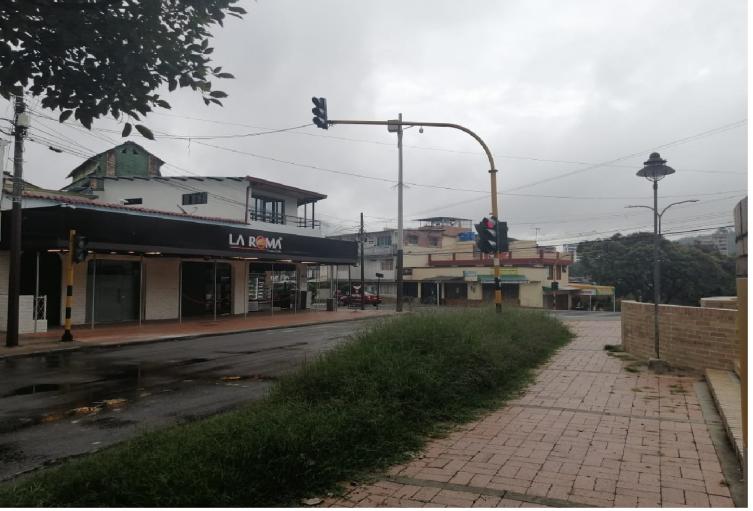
(94, 158)
(303, 196)
(95, 204)
(431, 218)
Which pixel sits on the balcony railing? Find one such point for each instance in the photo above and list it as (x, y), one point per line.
(380, 250)
(276, 218)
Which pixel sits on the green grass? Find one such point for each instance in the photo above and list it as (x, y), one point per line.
(363, 406)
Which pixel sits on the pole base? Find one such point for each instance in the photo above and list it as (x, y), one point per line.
(658, 366)
(67, 336)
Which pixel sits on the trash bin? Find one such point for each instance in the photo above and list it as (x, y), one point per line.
(330, 304)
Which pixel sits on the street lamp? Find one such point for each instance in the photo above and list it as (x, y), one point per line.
(664, 210)
(655, 169)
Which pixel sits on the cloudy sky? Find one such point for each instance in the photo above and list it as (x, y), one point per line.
(571, 97)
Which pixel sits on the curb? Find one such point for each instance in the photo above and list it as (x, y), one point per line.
(176, 338)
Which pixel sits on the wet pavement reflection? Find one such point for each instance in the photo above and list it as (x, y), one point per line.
(62, 404)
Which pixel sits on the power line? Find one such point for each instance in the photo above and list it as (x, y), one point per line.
(679, 141)
(427, 148)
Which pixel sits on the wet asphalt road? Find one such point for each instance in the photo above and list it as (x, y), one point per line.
(59, 405)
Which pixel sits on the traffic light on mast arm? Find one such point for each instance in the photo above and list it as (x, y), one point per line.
(320, 113)
(487, 235)
(79, 248)
(502, 243)
(492, 236)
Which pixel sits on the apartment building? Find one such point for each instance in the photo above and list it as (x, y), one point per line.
(722, 240)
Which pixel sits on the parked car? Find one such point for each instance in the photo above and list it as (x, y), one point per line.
(355, 298)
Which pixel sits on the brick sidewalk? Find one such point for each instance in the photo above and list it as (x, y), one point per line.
(586, 433)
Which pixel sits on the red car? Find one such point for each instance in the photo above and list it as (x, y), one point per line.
(355, 298)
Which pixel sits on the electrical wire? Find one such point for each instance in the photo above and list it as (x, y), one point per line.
(425, 148)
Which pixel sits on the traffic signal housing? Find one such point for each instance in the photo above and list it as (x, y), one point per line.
(492, 236)
(502, 242)
(79, 248)
(320, 113)
(487, 235)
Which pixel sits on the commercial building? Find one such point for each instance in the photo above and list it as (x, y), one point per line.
(442, 265)
(164, 247)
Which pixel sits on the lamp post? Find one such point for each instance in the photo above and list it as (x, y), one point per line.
(664, 210)
(655, 169)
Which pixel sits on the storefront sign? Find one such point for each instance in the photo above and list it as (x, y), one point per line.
(47, 228)
(254, 242)
(470, 276)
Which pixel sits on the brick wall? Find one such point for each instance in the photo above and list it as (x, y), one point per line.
(720, 302)
(691, 337)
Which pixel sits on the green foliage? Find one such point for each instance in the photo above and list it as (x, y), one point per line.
(688, 273)
(360, 407)
(91, 58)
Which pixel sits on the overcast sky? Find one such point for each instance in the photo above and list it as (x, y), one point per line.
(551, 86)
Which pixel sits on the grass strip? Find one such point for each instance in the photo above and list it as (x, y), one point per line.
(362, 406)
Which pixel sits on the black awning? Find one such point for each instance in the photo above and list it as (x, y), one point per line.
(47, 228)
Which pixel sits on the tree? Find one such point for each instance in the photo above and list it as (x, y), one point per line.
(90, 58)
(626, 262)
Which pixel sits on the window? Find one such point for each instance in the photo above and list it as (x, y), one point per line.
(384, 241)
(411, 239)
(387, 264)
(433, 242)
(559, 271)
(265, 209)
(129, 202)
(194, 198)
(551, 272)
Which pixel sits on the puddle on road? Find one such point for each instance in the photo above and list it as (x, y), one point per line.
(249, 377)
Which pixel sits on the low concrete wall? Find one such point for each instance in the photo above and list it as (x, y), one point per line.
(692, 337)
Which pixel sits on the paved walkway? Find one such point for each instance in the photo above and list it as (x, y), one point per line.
(151, 331)
(588, 432)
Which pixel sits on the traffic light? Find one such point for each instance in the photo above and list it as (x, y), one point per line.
(504, 245)
(487, 235)
(320, 112)
(79, 248)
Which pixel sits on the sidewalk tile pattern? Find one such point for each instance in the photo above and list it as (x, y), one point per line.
(586, 431)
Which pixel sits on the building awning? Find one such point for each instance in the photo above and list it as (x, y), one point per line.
(566, 289)
(510, 278)
(443, 278)
(47, 228)
(594, 290)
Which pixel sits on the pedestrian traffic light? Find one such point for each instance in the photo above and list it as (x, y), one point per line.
(79, 248)
(487, 235)
(504, 245)
(320, 113)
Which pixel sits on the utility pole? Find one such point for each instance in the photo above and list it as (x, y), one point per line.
(399, 298)
(321, 119)
(20, 125)
(361, 236)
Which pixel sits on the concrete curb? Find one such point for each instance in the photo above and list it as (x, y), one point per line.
(187, 337)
